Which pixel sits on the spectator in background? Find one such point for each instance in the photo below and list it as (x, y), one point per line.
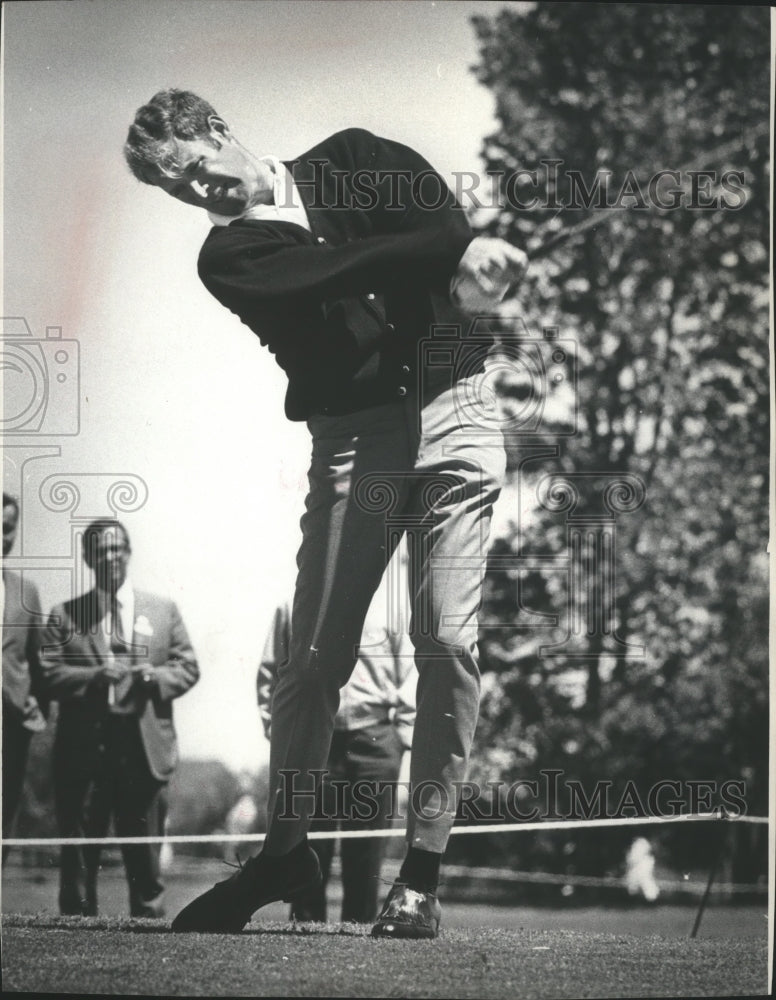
(640, 870)
(114, 658)
(372, 730)
(24, 706)
(242, 818)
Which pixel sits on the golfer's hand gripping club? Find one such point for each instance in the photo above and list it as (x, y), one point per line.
(488, 269)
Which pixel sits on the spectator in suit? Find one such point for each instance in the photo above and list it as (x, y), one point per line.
(372, 730)
(114, 658)
(23, 702)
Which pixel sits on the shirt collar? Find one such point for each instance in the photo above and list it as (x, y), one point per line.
(286, 205)
(123, 594)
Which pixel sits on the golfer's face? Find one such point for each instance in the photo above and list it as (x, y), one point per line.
(219, 178)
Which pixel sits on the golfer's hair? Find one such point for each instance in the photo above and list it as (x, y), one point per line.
(93, 531)
(9, 501)
(150, 149)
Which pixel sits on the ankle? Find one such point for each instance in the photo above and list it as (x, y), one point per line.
(420, 870)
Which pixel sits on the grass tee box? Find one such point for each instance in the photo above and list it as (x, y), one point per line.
(115, 955)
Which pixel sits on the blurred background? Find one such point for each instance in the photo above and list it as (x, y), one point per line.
(625, 624)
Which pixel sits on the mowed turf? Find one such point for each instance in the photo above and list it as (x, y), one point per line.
(116, 955)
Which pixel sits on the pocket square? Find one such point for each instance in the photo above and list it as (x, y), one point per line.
(143, 626)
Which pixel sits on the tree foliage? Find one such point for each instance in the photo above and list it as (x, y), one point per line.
(669, 308)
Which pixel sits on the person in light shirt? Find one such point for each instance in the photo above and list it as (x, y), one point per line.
(115, 659)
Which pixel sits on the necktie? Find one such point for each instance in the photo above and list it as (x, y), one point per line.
(119, 698)
(117, 644)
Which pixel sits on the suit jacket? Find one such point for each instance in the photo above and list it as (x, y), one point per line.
(73, 651)
(22, 621)
(343, 308)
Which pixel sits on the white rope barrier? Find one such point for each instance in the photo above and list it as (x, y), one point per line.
(596, 881)
(257, 838)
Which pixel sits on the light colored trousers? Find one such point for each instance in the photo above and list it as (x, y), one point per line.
(435, 471)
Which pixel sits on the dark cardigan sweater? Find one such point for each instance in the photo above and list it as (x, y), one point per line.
(343, 308)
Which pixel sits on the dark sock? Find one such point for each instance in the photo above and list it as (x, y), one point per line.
(420, 870)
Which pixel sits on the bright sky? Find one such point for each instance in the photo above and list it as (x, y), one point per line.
(175, 395)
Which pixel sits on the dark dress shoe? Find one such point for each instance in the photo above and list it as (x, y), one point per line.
(408, 914)
(229, 905)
